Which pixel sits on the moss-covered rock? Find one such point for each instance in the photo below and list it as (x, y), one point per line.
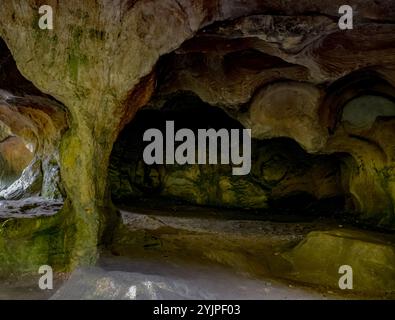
(318, 257)
(28, 243)
(99, 62)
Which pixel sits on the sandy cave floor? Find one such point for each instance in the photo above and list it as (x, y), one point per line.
(160, 270)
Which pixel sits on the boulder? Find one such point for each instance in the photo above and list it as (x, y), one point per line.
(317, 259)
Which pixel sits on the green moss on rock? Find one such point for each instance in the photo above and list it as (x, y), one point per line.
(26, 244)
(318, 257)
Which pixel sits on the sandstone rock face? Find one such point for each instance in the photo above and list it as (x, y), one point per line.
(29, 237)
(91, 61)
(253, 67)
(27, 185)
(31, 125)
(14, 158)
(288, 110)
(288, 75)
(319, 256)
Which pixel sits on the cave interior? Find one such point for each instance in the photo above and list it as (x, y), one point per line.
(320, 104)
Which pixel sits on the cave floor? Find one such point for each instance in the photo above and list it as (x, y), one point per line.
(156, 278)
(244, 244)
(187, 252)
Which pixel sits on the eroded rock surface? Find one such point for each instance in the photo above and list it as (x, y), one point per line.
(309, 252)
(319, 256)
(31, 125)
(29, 208)
(288, 74)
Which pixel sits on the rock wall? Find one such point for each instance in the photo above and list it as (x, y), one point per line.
(31, 126)
(99, 62)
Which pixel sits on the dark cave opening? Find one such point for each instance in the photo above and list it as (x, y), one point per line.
(284, 179)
